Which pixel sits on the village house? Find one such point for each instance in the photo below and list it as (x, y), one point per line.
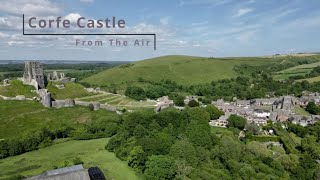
(243, 103)
(261, 113)
(221, 122)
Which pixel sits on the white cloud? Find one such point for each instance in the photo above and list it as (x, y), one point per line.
(73, 17)
(165, 20)
(243, 11)
(4, 35)
(87, 1)
(29, 7)
(246, 37)
(212, 3)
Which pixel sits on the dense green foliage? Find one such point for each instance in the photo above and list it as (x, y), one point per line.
(193, 103)
(312, 108)
(22, 117)
(98, 128)
(135, 92)
(174, 144)
(237, 122)
(214, 112)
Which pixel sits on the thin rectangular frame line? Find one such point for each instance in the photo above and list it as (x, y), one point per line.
(91, 34)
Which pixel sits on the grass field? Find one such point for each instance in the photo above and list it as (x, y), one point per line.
(295, 71)
(185, 70)
(91, 152)
(17, 88)
(295, 138)
(71, 90)
(311, 80)
(119, 101)
(18, 117)
(301, 111)
(219, 131)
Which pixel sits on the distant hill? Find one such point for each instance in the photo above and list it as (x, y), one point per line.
(185, 70)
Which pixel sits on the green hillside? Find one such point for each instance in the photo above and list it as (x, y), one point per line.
(295, 71)
(19, 117)
(70, 91)
(184, 70)
(17, 88)
(91, 152)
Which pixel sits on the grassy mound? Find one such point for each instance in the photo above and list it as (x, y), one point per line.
(91, 152)
(70, 91)
(19, 117)
(17, 88)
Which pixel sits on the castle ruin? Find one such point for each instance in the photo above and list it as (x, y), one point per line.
(33, 74)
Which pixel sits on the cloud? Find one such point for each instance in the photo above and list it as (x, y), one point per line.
(165, 20)
(73, 17)
(28, 7)
(87, 1)
(246, 37)
(243, 11)
(211, 3)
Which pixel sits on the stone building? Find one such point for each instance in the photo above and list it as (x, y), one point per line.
(33, 74)
(163, 102)
(61, 77)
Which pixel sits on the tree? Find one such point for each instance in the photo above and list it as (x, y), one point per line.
(193, 103)
(156, 92)
(135, 92)
(137, 158)
(160, 167)
(91, 107)
(214, 112)
(199, 134)
(236, 122)
(184, 150)
(178, 100)
(183, 170)
(252, 129)
(313, 108)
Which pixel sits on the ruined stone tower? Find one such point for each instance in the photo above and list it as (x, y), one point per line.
(33, 74)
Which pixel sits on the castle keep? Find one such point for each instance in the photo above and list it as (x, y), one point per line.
(33, 74)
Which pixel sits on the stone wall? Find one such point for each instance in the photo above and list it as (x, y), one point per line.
(63, 103)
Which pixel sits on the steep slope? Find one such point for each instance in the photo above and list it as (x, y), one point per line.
(185, 70)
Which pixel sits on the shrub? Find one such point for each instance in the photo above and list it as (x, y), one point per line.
(193, 103)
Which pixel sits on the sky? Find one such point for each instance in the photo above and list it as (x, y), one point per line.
(209, 28)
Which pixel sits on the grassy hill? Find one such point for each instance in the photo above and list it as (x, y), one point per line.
(72, 90)
(185, 70)
(91, 152)
(17, 88)
(295, 71)
(18, 117)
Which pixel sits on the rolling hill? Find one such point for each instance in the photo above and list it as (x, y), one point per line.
(185, 70)
(295, 71)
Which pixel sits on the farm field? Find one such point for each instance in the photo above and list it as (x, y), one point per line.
(19, 117)
(91, 152)
(295, 71)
